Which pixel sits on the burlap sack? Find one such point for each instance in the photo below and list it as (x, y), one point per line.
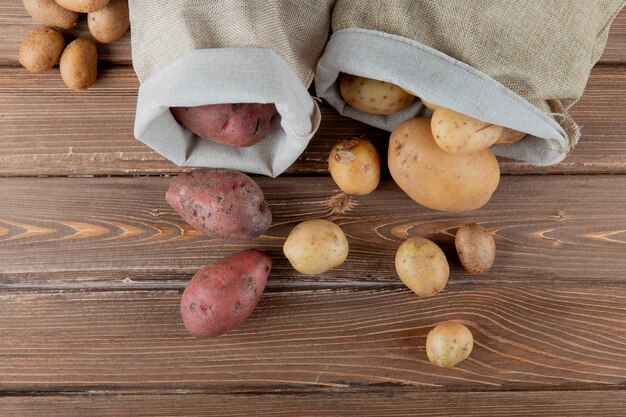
(520, 64)
(194, 52)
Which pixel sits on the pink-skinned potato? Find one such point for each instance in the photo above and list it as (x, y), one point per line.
(221, 296)
(220, 203)
(238, 125)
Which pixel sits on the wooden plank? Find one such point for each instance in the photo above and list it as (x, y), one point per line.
(527, 336)
(15, 24)
(48, 130)
(74, 232)
(335, 404)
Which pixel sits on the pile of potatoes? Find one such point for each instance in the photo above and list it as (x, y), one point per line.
(44, 47)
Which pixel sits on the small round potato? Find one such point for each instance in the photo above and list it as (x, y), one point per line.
(460, 134)
(373, 96)
(316, 246)
(41, 49)
(354, 164)
(83, 6)
(422, 266)
(50, 13)
(449, 343)
(437, 179)
(79, 64)
(476, 248)
(510, 136)
(109, 23)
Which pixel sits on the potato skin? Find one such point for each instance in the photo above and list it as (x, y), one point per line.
(449, 343)
(373, 96)
(460, 134)
(316, 246)
(50, 13)
(510, 136)
(41, 50)
(238, 125)
(437, 179)
(83, 6)
(476, 248)
(79, 64)
(430, 105)
(422, 266)
(220, 203)
(109, 23)
(221, 296)
(354, 164)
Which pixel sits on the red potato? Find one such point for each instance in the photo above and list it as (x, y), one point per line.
(239, 125)
(222, 295)
(220, 203)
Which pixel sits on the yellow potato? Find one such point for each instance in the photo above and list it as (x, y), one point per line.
(109, 23)
(41, 49)
(437, 179)
(476, 248)
(460, 134)
(422, 266)
(510, 136)
(50, 13)
(373, 96)
(83, 6)
(354, 164)
(449, 343)
(79, 64)
(316, 246)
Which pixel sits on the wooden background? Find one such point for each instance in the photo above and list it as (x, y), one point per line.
(93, 262)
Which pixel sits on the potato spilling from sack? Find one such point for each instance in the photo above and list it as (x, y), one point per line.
(449, 343)
(437, 179)
(109, 23)
(220, 203)
(50, 13)
(316, 246)
(221, 296)
(422, 266)
(460, 134)
(354, 165)
(373, 96)
(41, 50)
(510, 136)
(238, 125)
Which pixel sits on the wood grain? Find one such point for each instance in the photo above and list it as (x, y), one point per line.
(335, 404)
(120, 231)
(525, 337)
(48, 130)
(15, 24)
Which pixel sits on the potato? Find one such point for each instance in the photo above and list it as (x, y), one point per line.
(316, 246)
(354, 164)
(449, 343)
(79, 64)
(460, 134)
(437, 179)
(476, 248)
(220, 203)
(222, 295)
(109, 23)
(510, 136)
(373, 96)
(50, 13)
(83, 6)
(238, 125)
(429, 105)
(422, 266)
(41, 49)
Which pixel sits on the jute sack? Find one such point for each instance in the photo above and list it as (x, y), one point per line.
(520, 64)
(194, 52)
